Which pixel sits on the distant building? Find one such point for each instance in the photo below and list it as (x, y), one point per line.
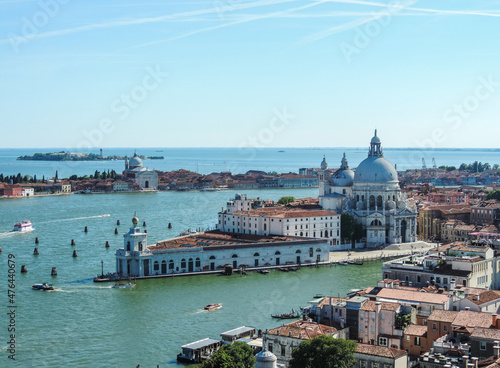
(143, 177)
(372, 195)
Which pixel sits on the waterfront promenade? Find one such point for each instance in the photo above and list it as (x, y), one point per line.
(390, 251)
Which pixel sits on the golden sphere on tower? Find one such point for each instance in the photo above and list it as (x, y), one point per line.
(135, 220)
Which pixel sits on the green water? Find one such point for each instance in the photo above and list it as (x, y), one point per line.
(84, 324)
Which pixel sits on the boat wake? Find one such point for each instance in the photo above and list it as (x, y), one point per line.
(76, 218)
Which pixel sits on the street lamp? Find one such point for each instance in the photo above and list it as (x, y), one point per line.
(102, 269)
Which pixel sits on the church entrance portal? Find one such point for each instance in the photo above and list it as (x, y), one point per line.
(403, 231)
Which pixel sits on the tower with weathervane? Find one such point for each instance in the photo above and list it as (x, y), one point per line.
(131, 260)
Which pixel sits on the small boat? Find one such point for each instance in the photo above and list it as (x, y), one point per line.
(123, 285)
(264, 272)
(213, 306)
(106, 215)
(43, 286)
(357, 263)
(23, 226)
(317, 296)
(343, 263)
(292, 314)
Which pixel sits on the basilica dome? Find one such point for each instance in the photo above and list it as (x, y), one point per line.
(375, 168)
(135, 161)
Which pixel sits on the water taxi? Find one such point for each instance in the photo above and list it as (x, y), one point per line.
(23, 226)
(213, 306)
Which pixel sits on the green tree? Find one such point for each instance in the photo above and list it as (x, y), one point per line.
(73, 177)
(286, 200)
(496, 166)
(274, 173)
(235, 355)
(324, 352)
(451, 168)
(494, 195)
(350, 229)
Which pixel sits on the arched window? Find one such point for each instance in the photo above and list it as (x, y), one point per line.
(198, 263)
(234, 256)
(277, 253)
(298, 251)
(379, 201)
(301, 233)
(318, 250)
(376, 223)
(156, 266)
(183, 263)
(212, 257)
(256, 255)
(372, 202)
(170, 265)
(326, 233)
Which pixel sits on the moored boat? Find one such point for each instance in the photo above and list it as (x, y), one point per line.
(43, 286)
(292, 314)
(213, 306)
(264, 272)
(23, 226)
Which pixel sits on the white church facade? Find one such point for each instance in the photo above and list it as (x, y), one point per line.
(372, 195)
(134, 171)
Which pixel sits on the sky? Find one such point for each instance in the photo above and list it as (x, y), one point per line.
(261, 73)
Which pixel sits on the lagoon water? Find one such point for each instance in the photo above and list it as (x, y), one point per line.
(83, 324)
(238, 160)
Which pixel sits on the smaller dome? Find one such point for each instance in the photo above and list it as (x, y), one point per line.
(375, 139)
(265, 356)
(135, 220)
(324, 164)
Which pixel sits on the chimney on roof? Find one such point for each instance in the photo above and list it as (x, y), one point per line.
(496, 350)
(477, 297)
(378, 307)
(494, 319)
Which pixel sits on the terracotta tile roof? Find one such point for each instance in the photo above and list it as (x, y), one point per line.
(371, 305)
(326, 301)
(485, 297)
(473, 319)
(486, 333)
(443, 316)
(380, 351)
(302, 329)
(416, 330)
(414, 296)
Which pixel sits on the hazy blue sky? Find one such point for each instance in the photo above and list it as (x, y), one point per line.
(241, 73)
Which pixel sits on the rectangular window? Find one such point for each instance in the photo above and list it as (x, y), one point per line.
(372, 329)
(361, 315)
(417, 341)
(445, 328)
(361, 327)
(482, 345)
(382, 341)
(283, 351)
(270, 347)
(434, 328)
(408, 338)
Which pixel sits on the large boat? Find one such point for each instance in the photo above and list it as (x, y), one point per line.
(213, 306)
(292, 314)
(23, 226)
(43, 286)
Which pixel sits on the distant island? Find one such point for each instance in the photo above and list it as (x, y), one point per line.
(74, 156)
